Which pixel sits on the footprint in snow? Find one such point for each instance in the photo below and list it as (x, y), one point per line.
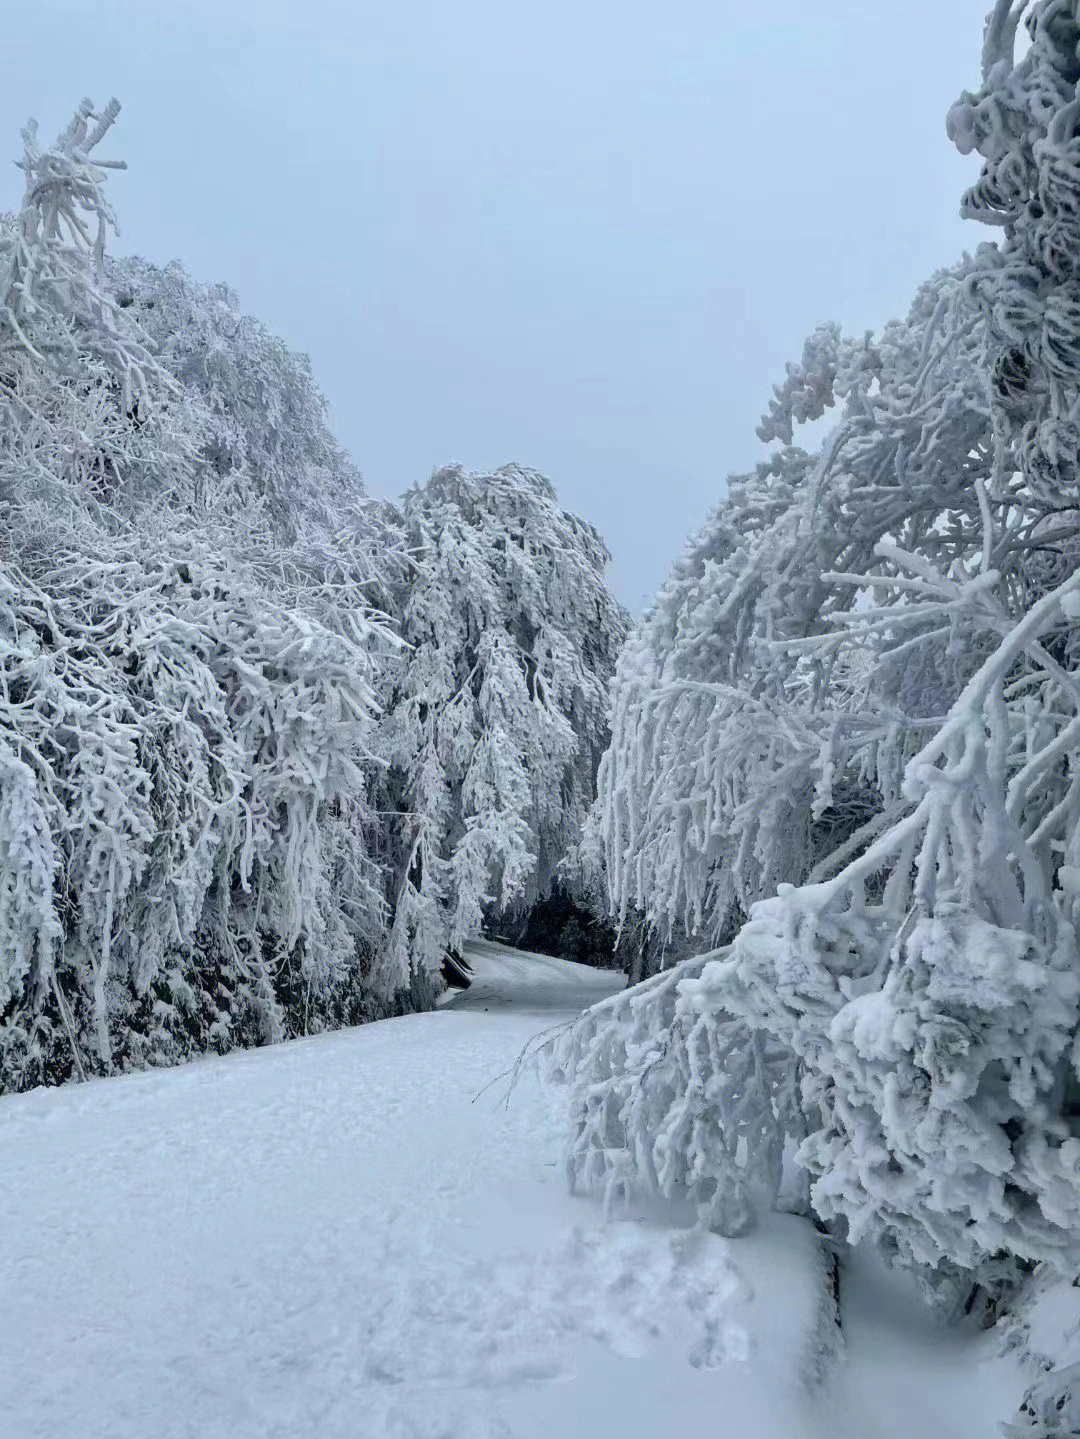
(520, 1319)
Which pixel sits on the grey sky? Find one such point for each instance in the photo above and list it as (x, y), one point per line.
(584, 236)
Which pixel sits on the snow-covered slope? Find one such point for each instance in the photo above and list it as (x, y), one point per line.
(368, 1234)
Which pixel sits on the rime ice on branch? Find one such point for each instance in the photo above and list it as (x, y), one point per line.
(189, 855)
(266, 746)
(848, 732)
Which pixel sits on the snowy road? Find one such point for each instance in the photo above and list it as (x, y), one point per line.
(358, 1235)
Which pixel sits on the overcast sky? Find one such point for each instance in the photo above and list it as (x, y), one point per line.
(584, 236)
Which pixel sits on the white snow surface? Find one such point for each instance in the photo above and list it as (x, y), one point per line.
(368, 1233)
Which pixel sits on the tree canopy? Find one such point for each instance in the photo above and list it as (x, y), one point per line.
(845, 738)
(256, 729)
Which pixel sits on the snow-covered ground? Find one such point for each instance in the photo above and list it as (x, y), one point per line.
(368, 1234)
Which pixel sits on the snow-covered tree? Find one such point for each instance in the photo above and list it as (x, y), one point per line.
(847, 731)
(755, 738)
(751, 737)
(188, 852)
(267, 747)
(496, 714)
(268, 440)
(670, 1098)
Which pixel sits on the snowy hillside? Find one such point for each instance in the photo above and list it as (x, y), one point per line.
(364, 1234)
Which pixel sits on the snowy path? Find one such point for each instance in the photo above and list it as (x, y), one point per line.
(337, 1238)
